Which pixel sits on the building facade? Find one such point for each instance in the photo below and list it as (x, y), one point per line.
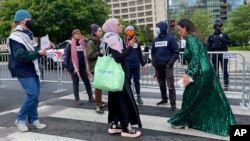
(140, 12)
(219, 8)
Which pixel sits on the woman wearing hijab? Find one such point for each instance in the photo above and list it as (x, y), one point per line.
(122, 107)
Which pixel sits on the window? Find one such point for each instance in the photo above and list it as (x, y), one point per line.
(140, 14)
(117, 17)
(124, 10)
(116, 6)
(147, 7)
(141, 20)
(149, 19)
(139, 2)
(149, 13)
(124, 4)
(132, 15)
(147, 1)
(140, 8)
(132, 3)
(131, 9)
(116, 11)
(124, 16)
(133, 21)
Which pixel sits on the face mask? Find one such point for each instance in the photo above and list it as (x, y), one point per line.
(29, 24)
(135, 45)
(130, 33)
(157, 30)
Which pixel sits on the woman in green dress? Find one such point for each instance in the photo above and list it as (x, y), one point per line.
(205, 106)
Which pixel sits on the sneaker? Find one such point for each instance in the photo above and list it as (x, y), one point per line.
(173, 107)
(78, 102)
(99, 110)
(21, 126)
(36, 124)
(104, 104)
(114, 128)
(162, 102)
(91, 100)
(139, 100)
(131, 133)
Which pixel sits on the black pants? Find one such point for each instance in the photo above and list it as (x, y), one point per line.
(218, 59)
(85, 80)
(135, 74)
(163, 74)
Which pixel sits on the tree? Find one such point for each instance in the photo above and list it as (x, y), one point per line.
(203, 21)
(146, 35)
(55, 17)
(201, 18)
(238, 24)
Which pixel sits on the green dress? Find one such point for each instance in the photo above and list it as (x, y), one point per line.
(205, 106)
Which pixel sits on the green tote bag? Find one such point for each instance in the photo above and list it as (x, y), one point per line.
(108, 74)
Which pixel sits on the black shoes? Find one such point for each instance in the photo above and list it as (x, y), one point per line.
(173, 107)
(99, 110)
(162, 102)
(139, 100)
(91, 100)
(114, 128)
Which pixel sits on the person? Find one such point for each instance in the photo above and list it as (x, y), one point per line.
(134, 60)
(218, 42)
(121, 104)
(145, 56)
(205, 106)
(93, 51)
(165, 52)
(23, 64)
(182, 45)
(76, 62)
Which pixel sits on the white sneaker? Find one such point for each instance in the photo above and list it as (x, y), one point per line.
(21, 126)
(36, 124)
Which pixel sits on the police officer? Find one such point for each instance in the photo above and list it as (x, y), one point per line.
(165, 52)
(219, 41)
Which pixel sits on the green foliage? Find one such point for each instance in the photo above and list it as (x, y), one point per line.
(146, 35)
(55, 17)
(203, 21)
(201, 18)
(238, 25)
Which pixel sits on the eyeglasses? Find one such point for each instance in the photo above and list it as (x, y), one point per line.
(77, 33)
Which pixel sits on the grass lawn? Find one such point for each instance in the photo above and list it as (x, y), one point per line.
(238, 48)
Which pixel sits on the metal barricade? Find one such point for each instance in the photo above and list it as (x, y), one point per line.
(4, 75)
(236, 70)
(52, 71)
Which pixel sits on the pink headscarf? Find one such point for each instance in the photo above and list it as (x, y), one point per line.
(115, 41)
(111, 25)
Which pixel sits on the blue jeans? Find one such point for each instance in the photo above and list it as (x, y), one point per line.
(28, 110)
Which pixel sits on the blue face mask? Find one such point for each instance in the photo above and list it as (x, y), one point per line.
(157, 30)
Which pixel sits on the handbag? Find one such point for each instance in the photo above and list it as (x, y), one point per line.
(108, 74)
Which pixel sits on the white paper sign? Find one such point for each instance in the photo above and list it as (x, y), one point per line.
(181, 83)
(45, 42)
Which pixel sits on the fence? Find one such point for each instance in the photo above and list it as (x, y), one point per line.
(239, 83)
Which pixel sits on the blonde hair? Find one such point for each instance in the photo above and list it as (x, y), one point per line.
(14, 25)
